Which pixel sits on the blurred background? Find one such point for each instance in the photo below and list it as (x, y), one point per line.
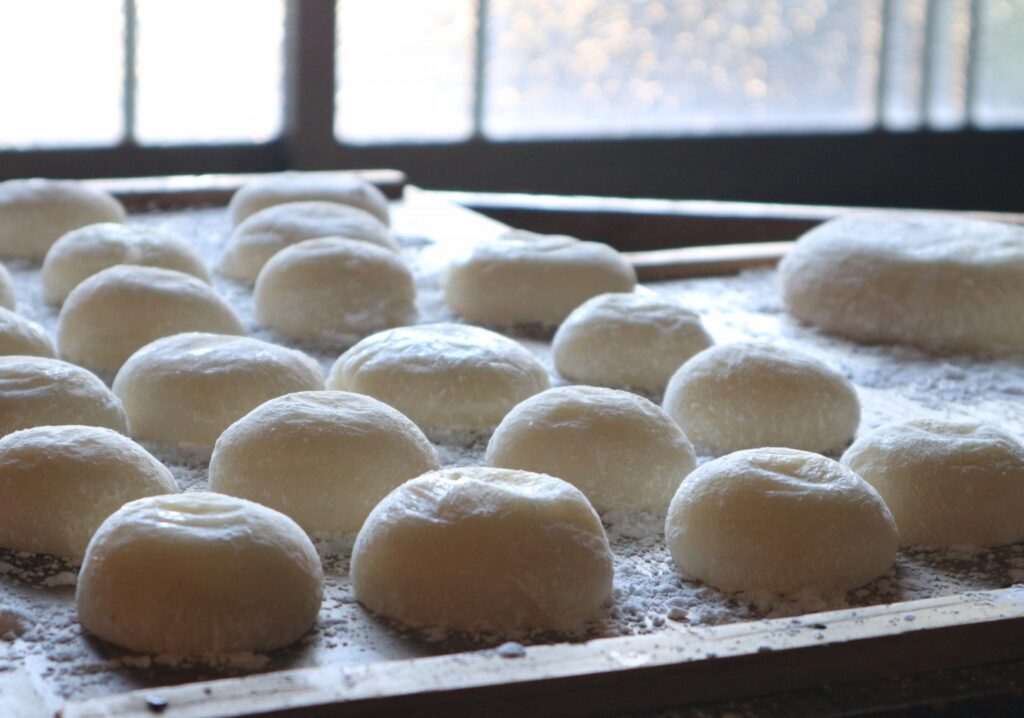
(872, 102)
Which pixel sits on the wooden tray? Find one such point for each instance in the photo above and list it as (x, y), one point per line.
(677, 666)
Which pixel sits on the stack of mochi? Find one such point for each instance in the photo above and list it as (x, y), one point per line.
(514, 545)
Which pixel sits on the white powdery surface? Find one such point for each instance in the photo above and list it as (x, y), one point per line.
(40, 636)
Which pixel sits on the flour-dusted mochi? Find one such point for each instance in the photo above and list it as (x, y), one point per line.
(324, 458)
(21, 336)
(782, 520)
(38, 391)
(746, 395)
(635, 340)
(307, 187)
(527, 278)
(83, 252)
(35, 213)
(199, 573)
(59, 483)
(939, 282)
(270, 230)
(442, 376)
(113, 313)
(484, 549)
(8, 299)
(946, 482)
(334, 290)
(622, 451)
(187, 389)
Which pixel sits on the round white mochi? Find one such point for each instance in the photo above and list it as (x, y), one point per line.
(267, 232)
(526, 278)
(22, 336)
(634, 340)
(939, 282)
(38, 391)
(745, 395)
(442, 376)
(306, 187)
(324, 458)
(199, 573)
(336, 290)
(113, 313)
(83, 252)
(35, 213)
(946, 482)
(188, 388)
(618, 448)
(58, 484)
(7, 295)
(482, 549)
(779, 520)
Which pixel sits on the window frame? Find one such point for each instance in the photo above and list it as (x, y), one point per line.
(963, 169)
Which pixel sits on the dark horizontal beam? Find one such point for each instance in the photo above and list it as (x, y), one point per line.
(134, 161)
(959, 170)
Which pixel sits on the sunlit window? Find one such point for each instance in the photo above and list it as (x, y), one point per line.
(617, 68)
(209, 70)
(61, 78)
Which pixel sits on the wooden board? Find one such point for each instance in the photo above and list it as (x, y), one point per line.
(675, 667)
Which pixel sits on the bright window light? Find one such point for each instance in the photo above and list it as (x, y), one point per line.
(61, 73)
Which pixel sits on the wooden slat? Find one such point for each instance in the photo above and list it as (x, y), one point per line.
(647, 224)
(680, 666)
(149, 193)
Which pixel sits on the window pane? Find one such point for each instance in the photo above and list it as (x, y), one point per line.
(580, 67)
(1000, 58)
(903, 96)
(61, 73)
(209, 71)
(948, 62)
(404, 70)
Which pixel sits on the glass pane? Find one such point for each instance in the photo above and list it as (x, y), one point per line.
(903, 93)
(61, 73)
(950, 50)
(404, 70)
(1000, 64)
(579, 67)
(209, 71)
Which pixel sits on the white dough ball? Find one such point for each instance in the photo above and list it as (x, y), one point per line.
(38, 391)
(113, 313)
(35, 213)
(21, 336)
(442, 376)
(481, 549)
(187, 389)
(83, 252)
(635, 340)
(526, 278)
(746, 395)
(270, 230)
(8, 299)
(306, 187)
(58, 484)
(780, 520)
(199, 573)
(324, 458)
(946, 482)
(334, 289)
(618, 448)
(939, 282)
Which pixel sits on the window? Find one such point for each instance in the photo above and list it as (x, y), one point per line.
(103, 72)
(624, 68)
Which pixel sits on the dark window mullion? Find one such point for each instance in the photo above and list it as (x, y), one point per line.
(480, 69)
(130, 77)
